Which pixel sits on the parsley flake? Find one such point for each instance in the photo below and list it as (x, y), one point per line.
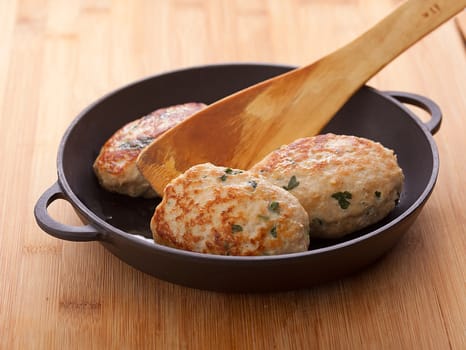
(137, 144)
(378, 194)
(274, 207)
(342, 198)
(223, 177)
(230, 171)
(293, 183)
(236, 228)
(273, 231)
(253, 183)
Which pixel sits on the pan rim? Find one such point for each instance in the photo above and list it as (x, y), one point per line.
(109, 230)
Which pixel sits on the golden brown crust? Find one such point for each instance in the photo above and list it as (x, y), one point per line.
(115, 166)
(214, 210)
(345, 182)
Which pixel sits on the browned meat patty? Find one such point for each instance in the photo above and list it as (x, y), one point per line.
(115, 166)
(218, 210)
(345, 183)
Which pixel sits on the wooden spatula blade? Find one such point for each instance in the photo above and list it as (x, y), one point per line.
(239, 130)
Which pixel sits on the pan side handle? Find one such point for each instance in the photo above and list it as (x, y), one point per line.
(433, 125)
(56, 229)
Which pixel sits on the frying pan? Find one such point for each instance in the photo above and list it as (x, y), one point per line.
(121, 224)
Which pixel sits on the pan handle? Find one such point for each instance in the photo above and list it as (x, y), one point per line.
(433, 125)
(56, 229)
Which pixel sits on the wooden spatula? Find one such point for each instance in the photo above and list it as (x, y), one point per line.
(240, 129)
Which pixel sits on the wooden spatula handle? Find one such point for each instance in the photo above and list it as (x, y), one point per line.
(324, 86)
(239, 130)
(395, 33)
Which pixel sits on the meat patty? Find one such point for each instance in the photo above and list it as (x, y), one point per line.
(219, 210)
(115, 165)
(345, 183)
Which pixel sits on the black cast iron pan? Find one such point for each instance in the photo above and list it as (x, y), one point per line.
(121, 223)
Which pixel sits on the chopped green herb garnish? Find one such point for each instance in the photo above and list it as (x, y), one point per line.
(342, 198)
(139, 143)
(263, 217)
(253, 183)
(230, 171)
(378, 194)
(274, 207)
(273, 231)
(236, 228)
(293, 183)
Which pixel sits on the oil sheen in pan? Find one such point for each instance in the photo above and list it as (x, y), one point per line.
(128, 214)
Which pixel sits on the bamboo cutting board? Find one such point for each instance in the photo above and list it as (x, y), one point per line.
(56, 57)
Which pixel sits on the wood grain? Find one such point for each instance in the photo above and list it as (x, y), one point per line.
(252, 123)
(56, 57)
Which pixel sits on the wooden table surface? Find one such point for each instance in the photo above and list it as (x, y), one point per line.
(58, 56)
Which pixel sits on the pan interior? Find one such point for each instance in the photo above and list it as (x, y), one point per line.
(368, 114)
